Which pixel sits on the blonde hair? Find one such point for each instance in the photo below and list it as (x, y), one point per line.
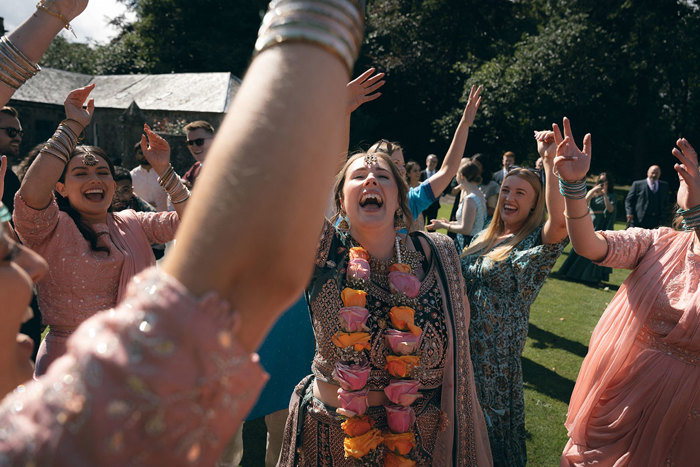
(488, 238)
(400, 183)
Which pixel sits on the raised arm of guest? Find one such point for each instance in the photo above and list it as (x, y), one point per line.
(572, 165)
(442, 178)
(288, 118)
(29, 41)
(360, 90)
(554, 229)
(52, 163)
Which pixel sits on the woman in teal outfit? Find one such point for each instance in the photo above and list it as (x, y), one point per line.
(601, 204)
(504, 268)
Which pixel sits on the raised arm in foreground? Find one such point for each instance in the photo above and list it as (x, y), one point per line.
(31, 39)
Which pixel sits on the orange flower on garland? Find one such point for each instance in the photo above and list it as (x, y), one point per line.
(358, 340)
(359, 252)
(400, 267)
(400, 443)
(357, 426)
(393, 460)
(353, 297)
(401, 366)
(360, 446)
(402, 319)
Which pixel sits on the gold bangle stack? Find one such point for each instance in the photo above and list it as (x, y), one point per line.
(170, 181)
(15, 67)
(335, 25)
(62, 143)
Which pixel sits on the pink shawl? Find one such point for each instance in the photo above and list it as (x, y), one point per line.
(620, 325)
(129, 238)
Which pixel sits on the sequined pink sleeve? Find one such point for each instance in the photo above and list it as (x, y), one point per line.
(34, 225)
(160, 227)
(160, 380)
(627, 247)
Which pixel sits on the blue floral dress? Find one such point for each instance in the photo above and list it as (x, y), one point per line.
(500, 295)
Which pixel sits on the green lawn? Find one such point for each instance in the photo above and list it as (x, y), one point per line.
(561, 323)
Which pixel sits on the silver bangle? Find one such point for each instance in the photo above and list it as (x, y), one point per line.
(335, 25)
(15, 67)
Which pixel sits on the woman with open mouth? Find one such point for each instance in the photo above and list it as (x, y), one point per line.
(63, 213)
(392, 382)
(505, 268)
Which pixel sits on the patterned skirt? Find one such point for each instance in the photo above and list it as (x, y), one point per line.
(313, 436)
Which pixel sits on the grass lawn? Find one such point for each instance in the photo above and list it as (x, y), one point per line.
(561, 323)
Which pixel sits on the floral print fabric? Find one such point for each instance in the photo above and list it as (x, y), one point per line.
(500, 295)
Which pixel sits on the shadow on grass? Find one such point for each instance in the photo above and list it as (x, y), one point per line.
(546, 381)
(590, 285)
(542, 339)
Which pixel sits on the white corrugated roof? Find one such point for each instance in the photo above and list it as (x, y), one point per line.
(193, 92)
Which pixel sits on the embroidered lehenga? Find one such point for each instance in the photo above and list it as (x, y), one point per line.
(449, 427)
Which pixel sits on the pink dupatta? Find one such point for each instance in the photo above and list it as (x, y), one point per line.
(128, 236)
(620, 325)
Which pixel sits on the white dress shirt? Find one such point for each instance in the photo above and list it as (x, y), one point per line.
(146, 186)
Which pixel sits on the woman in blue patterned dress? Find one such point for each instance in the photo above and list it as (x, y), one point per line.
(504, 268)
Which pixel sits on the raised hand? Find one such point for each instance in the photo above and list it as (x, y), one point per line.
(363, 89)
(688, 174)
(473, 104)
(571, 163)
(156, 150)
(74, 105)
(546, 147)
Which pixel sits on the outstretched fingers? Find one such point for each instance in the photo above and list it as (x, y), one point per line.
(687, 155)
(587, 148)
(366, 74)
(558, 138)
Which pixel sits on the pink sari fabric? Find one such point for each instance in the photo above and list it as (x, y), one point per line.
(160, 380)
(636, 400)
(130, 239)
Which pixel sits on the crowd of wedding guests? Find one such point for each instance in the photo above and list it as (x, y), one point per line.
(413, 339)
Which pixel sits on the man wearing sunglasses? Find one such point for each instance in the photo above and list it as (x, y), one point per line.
(199, 137)
(10, 139)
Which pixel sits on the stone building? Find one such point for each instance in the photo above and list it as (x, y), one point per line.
(123, 103)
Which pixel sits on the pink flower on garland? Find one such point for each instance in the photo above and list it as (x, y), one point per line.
(358, 269)
(400, 342)
(354, 318)
(352, 403)
(403, 282)
(403, 391)
(400, 419)
(351, 377)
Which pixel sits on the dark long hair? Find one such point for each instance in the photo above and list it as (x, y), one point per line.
(64, 205)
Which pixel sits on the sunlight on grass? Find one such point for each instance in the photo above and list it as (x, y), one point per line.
(561, 323)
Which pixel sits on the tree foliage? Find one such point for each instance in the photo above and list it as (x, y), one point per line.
(627, 71)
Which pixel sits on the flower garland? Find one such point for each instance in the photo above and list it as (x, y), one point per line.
(363, 441)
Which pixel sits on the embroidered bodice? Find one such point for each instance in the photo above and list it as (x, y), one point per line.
(328, 281)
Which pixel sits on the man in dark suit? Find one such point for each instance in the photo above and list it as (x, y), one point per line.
(431, 163)
(508, 163)
(647, 200)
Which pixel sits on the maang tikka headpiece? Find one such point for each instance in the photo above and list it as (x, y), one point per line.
(89, 159)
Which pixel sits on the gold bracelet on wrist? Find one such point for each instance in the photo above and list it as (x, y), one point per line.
(579, 217)
(43, 5)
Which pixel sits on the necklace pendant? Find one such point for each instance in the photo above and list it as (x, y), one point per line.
(381, 323)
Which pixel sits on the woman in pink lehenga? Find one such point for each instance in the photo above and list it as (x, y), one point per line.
(636, 400)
